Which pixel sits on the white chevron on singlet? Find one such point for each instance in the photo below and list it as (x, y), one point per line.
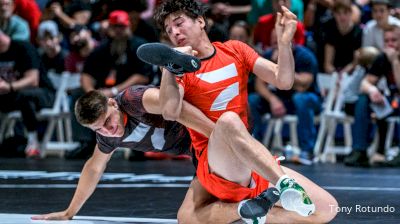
(221, 102)
(158, 139)
(138, 133)
(220, 74)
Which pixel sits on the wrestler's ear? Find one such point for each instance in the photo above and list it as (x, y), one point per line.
(202, 21)
(112, 102)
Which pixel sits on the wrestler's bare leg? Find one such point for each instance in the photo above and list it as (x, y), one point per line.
(201, 207)
(233, 153)
(324, 202)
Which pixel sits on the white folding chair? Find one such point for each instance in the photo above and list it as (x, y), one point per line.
(58, 117)
(330, 117)
(275, 125)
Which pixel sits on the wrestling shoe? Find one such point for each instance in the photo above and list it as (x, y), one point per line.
(293, 197)
(255, 210)
(162, 55)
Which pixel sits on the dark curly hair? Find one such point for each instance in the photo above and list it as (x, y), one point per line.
(191, 8)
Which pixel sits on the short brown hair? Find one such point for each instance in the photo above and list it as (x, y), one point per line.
(90, 107)
(344, 5)
(391, 28)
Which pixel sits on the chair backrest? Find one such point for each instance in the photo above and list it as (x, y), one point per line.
(327, 84)
(62, 83)
(340, 97)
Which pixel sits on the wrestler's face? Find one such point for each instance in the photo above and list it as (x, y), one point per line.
(111, 124)
(183, 30)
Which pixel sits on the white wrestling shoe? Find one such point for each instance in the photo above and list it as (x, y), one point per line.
(294, 198)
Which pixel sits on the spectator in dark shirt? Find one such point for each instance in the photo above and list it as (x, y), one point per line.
(24, 86)
(113, 66)
(387, 65)
(343, 38)
(50, 50)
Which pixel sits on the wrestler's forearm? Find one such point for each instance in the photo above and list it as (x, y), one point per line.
(170, 96)
(285, 71)
(194, 118)
(86, 186)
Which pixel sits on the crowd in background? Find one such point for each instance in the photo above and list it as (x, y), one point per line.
(97, 39)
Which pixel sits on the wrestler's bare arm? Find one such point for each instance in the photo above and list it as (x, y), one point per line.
(190, 116)
(90, 176)
(280, 75)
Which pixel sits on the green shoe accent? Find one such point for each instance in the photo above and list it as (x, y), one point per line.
(289, 183)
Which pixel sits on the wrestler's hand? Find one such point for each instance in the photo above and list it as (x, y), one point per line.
(187, 50)
(63, 215)
(285, 26)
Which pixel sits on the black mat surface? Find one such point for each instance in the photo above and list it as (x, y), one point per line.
(155, 189)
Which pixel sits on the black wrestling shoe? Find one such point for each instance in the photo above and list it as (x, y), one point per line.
(162, 55)
(255, 210)
(357, 159)
(395, 162)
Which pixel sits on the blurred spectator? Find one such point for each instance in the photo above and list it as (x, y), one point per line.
(396, 9)
(373, 30)
(363, 59)
(13, 25)
(258, 9)
(81, 45)
(227, 12)
(263, 7)
(343, 38)
(387, 64)
(365, 8)
(113, 66)
(24, 86)
(148, 13)
(50, 51)
(76, 13)
(303, 100)
(266, 23)
(139, 26)
(240, 30)
(30, 12)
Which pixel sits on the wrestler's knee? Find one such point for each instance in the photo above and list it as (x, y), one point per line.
(326, 214)
(228, 122)
(184, 214)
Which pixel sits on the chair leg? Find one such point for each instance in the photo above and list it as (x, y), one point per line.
(3, 128)
(60, 130)
(47, 136)
(277, 139)
(68, 129)
(294, 140)
(268, 133)
(320, 139)
(329, 152)
(390, 133)
(374, 145)
(348, 140)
